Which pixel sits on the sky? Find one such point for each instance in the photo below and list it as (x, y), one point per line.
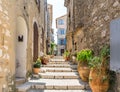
(58, 10)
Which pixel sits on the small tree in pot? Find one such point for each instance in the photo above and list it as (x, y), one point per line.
(83, 58)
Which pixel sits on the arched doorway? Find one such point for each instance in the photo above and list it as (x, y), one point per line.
(35, 42)
(21, 47)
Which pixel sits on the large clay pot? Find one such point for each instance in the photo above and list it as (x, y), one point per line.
(98, 81)
(83, 72)
(36, 70)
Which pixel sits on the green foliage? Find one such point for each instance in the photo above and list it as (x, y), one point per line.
(52, 46)
(84, 55)
(28, 74)
(95, 62)
(105, 51)
(66, 54)
(100, 61)
(37, 64)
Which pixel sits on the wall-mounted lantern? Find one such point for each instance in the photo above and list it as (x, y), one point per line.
(20, 38)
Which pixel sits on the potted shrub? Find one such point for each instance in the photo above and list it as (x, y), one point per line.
(99, 72)
(83, 58)
(44, 59)
(66, 55)
(36, 66)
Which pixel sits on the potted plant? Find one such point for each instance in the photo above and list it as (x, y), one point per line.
(52, 48)
(99, 72)
(36, 66)
(44, 59)
(83, 58)
(66, 55)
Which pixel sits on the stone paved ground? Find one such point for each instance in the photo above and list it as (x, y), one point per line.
(57, 76)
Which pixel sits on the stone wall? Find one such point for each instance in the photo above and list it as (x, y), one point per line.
(31, 12)
(7, 52)
(93, 17)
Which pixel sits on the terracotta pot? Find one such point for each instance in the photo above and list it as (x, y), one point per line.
(84, 72)
(36, 70)
(67, 58)
(97, 82)
(44, 60)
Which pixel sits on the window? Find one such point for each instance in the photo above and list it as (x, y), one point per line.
(62, 42)
(60, 22)
(61, 31)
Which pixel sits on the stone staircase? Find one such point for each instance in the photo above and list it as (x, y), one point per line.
(57, 76)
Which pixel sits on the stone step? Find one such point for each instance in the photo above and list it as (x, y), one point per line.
(59, 91)
(58, 57)
(52, 69)
(59, 75)
(59, 84)
(58, 62)
(60, 66)
(19, 81)
(24, 87)
(54, 84)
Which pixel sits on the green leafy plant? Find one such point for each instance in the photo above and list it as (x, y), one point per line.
(84, 55)
(52, 47)
(105, 51)
(37, 64)
(105, 56)
(95, 62)
(66, 54)
(28, 74)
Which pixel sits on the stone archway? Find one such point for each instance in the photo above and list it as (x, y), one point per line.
(35, 41)
(21, 47)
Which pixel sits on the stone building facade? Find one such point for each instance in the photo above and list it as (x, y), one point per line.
(50, 31)
(88, 24)
(22, 38)
(61, 34)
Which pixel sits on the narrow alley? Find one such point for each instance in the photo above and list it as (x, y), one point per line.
(59, 45)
